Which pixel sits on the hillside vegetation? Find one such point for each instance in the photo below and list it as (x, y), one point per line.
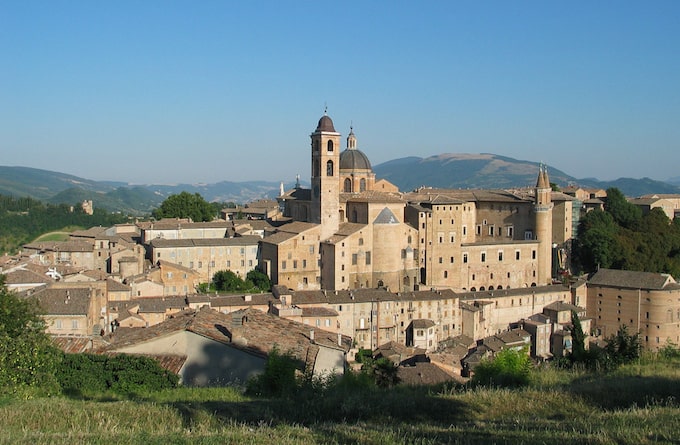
(24, 219)
(637, 404)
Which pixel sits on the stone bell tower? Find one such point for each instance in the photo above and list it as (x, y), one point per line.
(325, 198)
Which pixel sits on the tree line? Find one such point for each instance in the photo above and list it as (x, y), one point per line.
(622, 237)
(24, 219)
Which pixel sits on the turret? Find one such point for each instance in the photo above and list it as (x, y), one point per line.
(543, 211)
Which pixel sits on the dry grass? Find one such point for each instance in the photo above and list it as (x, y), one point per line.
(637, 405)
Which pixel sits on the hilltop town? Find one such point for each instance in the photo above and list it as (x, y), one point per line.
(434, 280)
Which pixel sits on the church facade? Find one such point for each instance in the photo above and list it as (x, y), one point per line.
(351, 231)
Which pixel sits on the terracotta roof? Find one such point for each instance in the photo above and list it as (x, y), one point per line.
(75, 301)
(318, 312)
(115, 286)
(249, 330)
(630, 279)
(71, 344)
(491, 294)
(246, 240)
(422, 323)
(22, 276)
(372, 196)
(422, 374)
(447, 196)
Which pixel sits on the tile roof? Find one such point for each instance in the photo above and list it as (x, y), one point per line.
(246, 240)
(490, 294)
(72, 301)
(249, 330)
(22, 276)
(115, 286)
(446, 196)
(422, 373)
(422, 323)
(630, 279)
(72, 344)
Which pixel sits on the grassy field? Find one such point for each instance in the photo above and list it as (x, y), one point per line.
(61, 235)
(637, 404)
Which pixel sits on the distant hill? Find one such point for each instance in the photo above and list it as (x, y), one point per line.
(449, 170)
(113, 196)
(463, 170)
(43, 184)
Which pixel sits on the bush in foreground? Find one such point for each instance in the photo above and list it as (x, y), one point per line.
(509, 368)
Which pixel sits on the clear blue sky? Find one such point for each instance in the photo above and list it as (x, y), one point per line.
(204, 91)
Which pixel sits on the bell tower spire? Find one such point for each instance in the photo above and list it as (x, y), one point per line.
(325, 209)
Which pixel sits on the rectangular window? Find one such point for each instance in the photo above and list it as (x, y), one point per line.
(533, 254)
(517, 255)
(74, 324)
(304, 264)
(283, 264)
(368, 258)
(483, 257)
(509, 232)
(294, 264)
(464, 230)
(354, 259)
(500, 255)
(465, 257)
(490, 230)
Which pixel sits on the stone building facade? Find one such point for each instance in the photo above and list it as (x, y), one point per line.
(370, 235)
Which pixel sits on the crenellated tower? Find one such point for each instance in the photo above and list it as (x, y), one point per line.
(325, 209)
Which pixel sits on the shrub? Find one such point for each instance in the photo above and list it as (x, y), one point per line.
(27, 357)
(278, 377)
(90, 373)
(510, 368)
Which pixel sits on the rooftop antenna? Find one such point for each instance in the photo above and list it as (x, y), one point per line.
(297, 181)
(325, 108)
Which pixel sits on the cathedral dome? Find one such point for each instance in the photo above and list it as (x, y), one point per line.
(325, 124)
(353, 159)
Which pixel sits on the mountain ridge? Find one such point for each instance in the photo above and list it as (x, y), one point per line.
(445, 170)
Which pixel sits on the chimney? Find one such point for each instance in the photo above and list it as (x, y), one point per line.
(339, 339)
(248, 297)
(311, 335)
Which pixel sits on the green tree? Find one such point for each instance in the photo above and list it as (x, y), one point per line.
(27, 357)
(226, 280)
(186, 205)
(578, 339)
(259, 280)
(623, 347)
(624, 213)
(596, 243)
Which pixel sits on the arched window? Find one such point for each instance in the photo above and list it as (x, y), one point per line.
(348, 185)
(329, 145)
(329, 168)
(362, 185)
